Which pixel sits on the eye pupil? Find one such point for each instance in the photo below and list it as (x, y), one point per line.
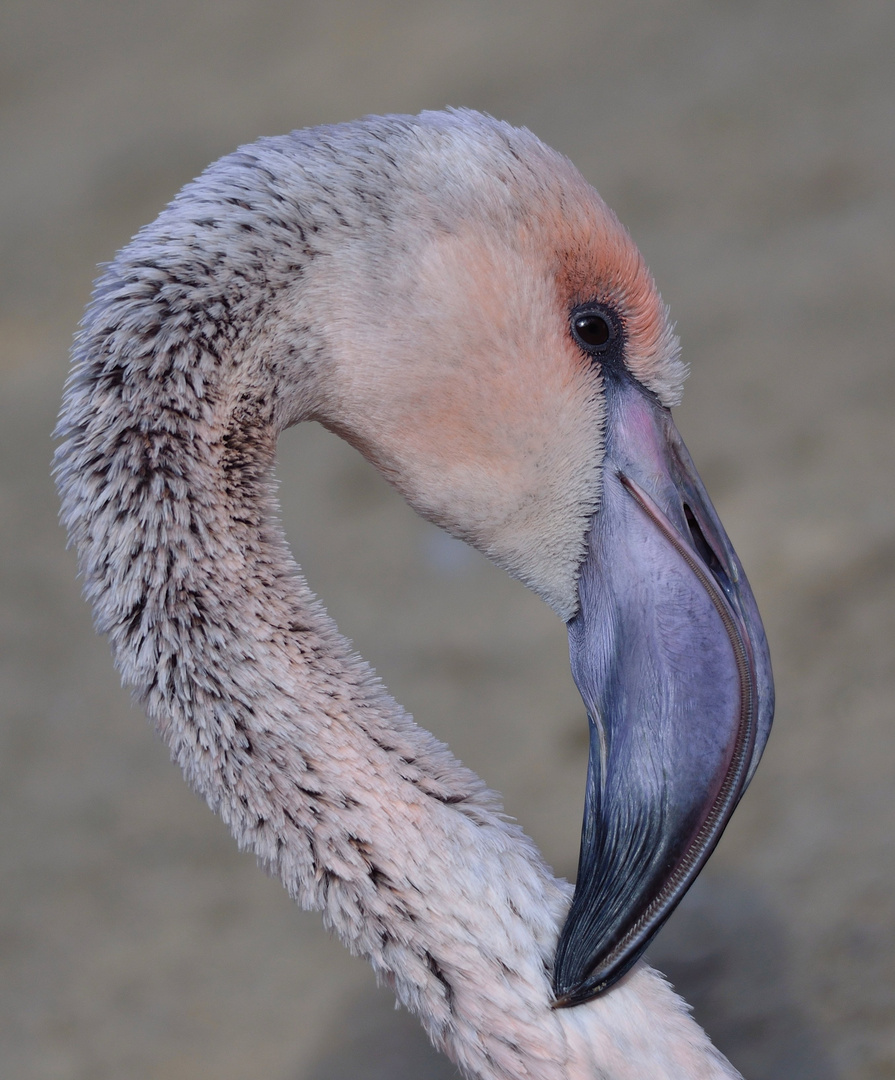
(592, 330)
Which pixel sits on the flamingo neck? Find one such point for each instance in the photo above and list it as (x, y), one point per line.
(169, 434)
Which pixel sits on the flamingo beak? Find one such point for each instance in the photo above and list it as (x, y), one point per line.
(670, 657)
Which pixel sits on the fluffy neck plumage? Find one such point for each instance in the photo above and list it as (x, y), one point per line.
(168, 431)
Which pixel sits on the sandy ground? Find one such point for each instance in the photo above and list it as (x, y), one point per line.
(750, 147)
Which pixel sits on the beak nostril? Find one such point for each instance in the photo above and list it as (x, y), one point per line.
(704, 549)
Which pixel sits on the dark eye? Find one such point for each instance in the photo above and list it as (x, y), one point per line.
(591, 331)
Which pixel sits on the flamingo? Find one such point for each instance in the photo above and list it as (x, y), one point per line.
(450, 296)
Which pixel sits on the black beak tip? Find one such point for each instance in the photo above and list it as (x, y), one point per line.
(577, 979)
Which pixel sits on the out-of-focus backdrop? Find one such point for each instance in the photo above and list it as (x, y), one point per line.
(750, 148)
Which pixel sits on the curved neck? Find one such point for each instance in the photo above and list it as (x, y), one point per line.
(169, 433)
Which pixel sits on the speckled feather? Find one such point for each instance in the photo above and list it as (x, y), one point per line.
(405, 281)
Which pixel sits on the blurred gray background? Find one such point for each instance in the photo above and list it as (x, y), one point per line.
(750, 148)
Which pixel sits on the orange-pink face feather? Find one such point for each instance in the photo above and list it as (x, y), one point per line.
(454, 370)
